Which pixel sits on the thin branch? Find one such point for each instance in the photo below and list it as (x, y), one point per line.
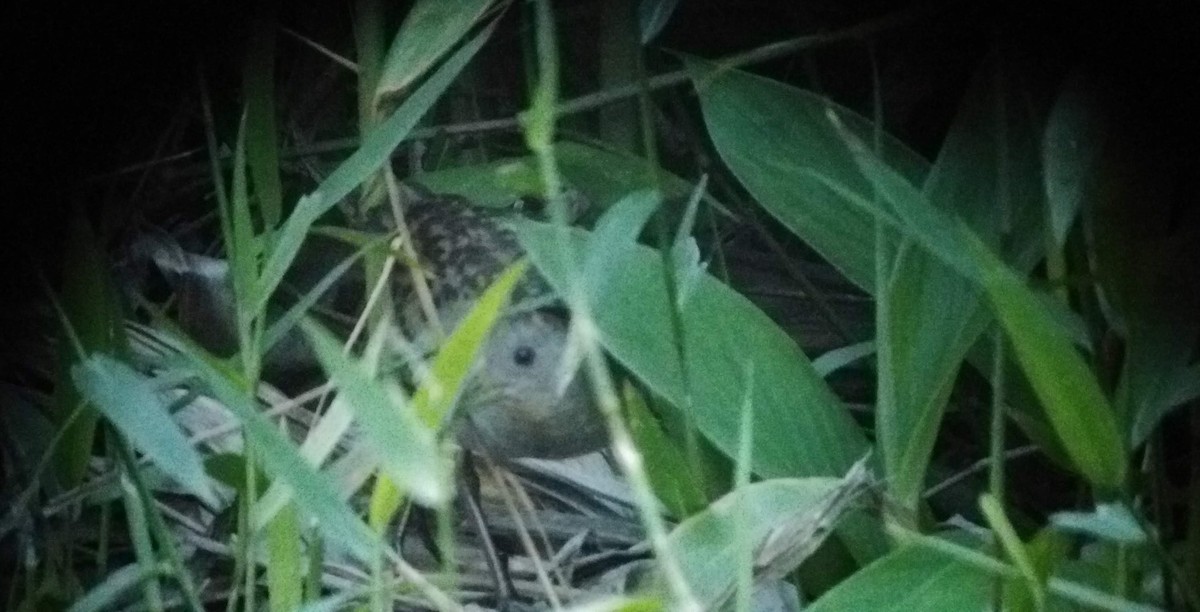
(587, 102)
(977, 467)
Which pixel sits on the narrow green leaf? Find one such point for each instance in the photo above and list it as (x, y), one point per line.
(406, 447)
(141, 540)
(671, 476)
(93, 317)
(375, 150)
(243, 250)
(333, 603)
(1013, 547)
(453, 361)
(288, 320)
(229, 469)
(1075, 134)
(105, 596)
(1080, 413)
(986, 174)
(386, 499)
(653, 16)
(134, 406)
(1048, 552)
(262, 141)
(605, 176)
(645, 603)
(436, 394)
(430, 30)
(285, 584)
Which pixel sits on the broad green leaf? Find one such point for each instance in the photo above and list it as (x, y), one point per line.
(375, 150)
(1149, 284)
(285, 582)
(801, 428)
(134, 405)
(776, 522)
(910, 578)
(1154, 372)
(406, 447)
(312, 490)
(614, 236)
(839, 358)
(430, 30)
(1144, 255)
(776, 140)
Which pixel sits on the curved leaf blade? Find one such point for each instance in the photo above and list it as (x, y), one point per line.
(133, 405)
(803, 429)
(406, 447)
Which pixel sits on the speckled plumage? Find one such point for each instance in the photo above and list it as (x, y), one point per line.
(461, 249)
(507, 408)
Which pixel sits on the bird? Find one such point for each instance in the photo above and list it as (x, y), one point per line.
(521, 399)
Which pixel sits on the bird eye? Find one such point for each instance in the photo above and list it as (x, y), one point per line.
(524, 356)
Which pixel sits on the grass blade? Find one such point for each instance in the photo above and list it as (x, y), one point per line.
(431, 28)
(375, 150)
(405, 446)
(133, 405)
(104, 596)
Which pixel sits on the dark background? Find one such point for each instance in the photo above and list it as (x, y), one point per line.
(90, 85)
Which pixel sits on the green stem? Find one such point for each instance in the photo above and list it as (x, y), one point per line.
(539, 134)
(157, 528)
(996, 431)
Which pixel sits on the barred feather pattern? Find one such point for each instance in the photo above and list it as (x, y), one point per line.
(520, 400)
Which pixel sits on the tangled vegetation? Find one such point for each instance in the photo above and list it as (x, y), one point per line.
(846, 361)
